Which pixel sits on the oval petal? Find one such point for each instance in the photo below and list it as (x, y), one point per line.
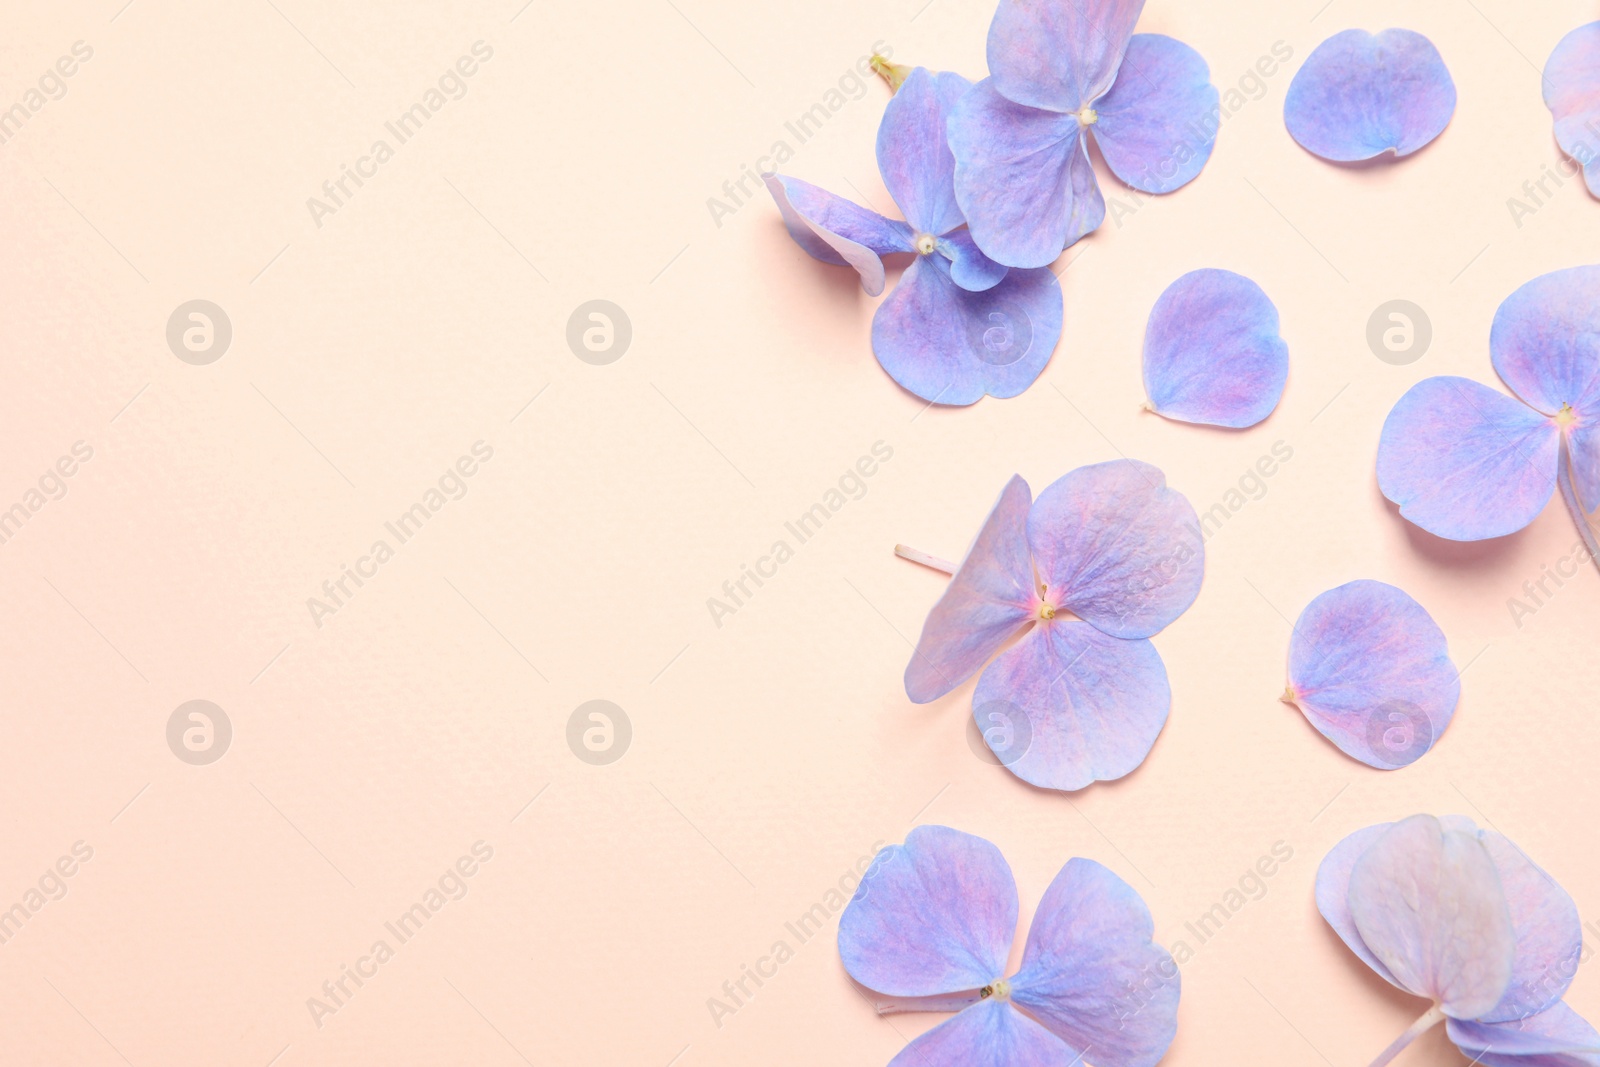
(1556, 1037)
(834, 230)
(913, 154)
(1059, 56)
(1359, 95)
(1212, 353)
(1333, 894)
(1158, 124)
(1572, 93)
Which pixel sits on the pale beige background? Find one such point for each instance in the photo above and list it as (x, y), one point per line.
(768, 753)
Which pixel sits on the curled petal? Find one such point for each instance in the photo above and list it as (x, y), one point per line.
(951, 346)
(1371, 671)
(1427, 902)
(990, 1032)
(1158, 124)
(1117, 548)
(1572, 93)
(1078, 706)
(1212, 353)
(1091, 973)
(1360, 95)
(1465, 462)
(969, 267)
(913, 155)
(1545, 342)
(1556, 1037)
(931, 917)
(1023, 177)
(989, 598)
(836, 231)
(1059, 56)
(1549, 939)
(1333, 894)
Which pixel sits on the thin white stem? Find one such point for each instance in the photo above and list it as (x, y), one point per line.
(926, 560)
(1427, 1021)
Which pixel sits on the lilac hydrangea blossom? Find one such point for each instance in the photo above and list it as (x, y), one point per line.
(1107, 557)
(959, 325)
(1360, 95)
(930, 929)
(1461, 916)
(1370, 669)
(1058, 70)
(1572, 93)
(1467, 463)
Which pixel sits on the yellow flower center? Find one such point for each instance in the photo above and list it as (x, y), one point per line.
(999, 988)
(1566, 416)
(1087, 116)
(926, 243)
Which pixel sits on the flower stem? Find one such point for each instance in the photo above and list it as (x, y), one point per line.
(1427, 1021)
(926, 560)
(894, 74)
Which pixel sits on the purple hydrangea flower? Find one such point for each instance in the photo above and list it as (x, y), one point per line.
(1059, 69)
(959, 325)
(1107, 557)
(1466, 462)
(1462, 917)
(930, 929)
(1361, 94)
(1212, 353)
(1370, 669)
(1572, 93)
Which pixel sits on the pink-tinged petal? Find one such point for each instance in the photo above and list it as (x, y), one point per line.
(1556, 1037)
(969, 267)
(1545, 342)
(1212, 353)
(1091, 973)
(931, 917)
(1583, 460)
(1077, 706)
(1023, 178)
(1549, 939)
(1158, 124)
(987, 601)
(1572, 93)
(990, 1033)
(1371, 670)
(1465, 462)
(1360, 95)
(951, 346)
(1059, 55)
(836, 231)
(1428, 903)
(1333, 894)
(913, 155)
(1117, 548)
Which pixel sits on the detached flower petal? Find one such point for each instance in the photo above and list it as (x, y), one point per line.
(1360, 95)
(1572, 93)
(1212, 353)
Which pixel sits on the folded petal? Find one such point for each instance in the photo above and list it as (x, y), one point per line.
(951, 346)
(1060, 56)
(1212, 353)
(1371, 671)
(969, 267)
(1091, 973)
(836, 231)
(990, 1033)
(990, 597)
(1158, 124)
(1087, 707)
(1545, 342)
(1117, 548)
(1023, 177)
(913, 155)
(1361, 94)
(1465, 462)
(1333, 893)
(1556, 1037)
(1549, 939)
(933, 916)
(1572, 93)
(1428, 903)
